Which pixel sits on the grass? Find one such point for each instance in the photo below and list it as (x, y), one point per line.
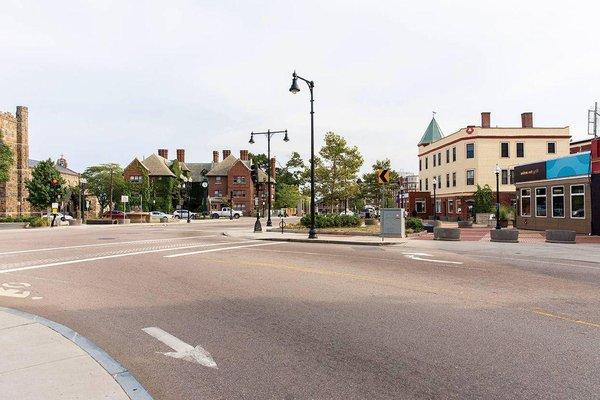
(370, 229)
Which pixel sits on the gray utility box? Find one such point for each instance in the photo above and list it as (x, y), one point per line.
(392, 222)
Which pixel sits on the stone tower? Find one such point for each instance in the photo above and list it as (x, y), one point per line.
(15, 133)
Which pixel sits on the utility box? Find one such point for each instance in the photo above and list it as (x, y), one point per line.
(392, 222)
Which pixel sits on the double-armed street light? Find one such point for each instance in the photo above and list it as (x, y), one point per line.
(497, 172)
(269, 133)
(312, 233)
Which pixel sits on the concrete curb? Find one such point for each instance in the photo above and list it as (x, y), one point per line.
(124, 378)
(331, 241)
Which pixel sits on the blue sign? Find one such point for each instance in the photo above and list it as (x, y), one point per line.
(575, 165)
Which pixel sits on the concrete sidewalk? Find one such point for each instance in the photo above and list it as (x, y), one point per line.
(38, 362)
(323, 238)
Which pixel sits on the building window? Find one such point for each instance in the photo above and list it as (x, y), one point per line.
(438, 206)
(470, 150)
(239, 193)
(447, 156)
(434, 160)
(577, 201)
(454, 179)
(526, 202)
(439, 158)
(558, 202)
(239, 179)
(135, 178)
(504, 177)
(512, 176)
(218, 180)
(426, 162)
(450, 206)
(504, 150)
(540, 202)
(520, 149)
(453, 154)
(217, 193)
(420, 207)
(470, 177)
(551, 147)
(447, 180)
(420, 164)
(426, 184)
(239, 207)
(420, 185)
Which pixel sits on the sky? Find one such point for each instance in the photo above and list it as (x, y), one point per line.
(106, 81)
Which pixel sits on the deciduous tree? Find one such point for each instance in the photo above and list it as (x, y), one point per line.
(45, 186)
(105, 180)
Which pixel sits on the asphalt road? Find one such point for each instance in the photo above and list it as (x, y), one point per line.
(315, 321)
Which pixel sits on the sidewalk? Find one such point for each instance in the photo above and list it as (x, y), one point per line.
(38, 362)
(324, 238)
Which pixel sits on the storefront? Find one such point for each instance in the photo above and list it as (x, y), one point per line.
(555, 194)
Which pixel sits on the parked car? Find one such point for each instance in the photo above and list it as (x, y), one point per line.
(159, 215)
(347, 212)
(368, 212)
(226, 212)
(183, 214)
(59, 216)
(115, 215)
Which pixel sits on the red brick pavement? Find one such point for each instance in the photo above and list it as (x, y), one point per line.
(525, 236)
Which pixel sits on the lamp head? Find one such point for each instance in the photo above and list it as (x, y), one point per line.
(251, 141)
(497, 169)
(286, 138)
(294, 88)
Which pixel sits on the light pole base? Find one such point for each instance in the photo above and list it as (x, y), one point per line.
(312, 233)
(269, 223)
(257, 226)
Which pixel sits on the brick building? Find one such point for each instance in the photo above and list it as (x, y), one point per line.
(231, 176)
(15, 134)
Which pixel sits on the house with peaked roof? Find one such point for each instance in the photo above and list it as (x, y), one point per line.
(229, 180)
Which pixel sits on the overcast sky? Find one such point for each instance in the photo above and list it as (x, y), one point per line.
(109, 80)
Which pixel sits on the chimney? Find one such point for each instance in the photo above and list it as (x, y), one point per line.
(164, 153)
(215, 156)
(244, 155)
(226, 153)
(272, 167)
(181, 155)
(527, 120)
(485, 119)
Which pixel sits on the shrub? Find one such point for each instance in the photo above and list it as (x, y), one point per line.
(331, 220)
(16, 219)
(38, 222)
(415, 224)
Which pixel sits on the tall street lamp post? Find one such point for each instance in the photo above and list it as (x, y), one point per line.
(401, 196)
(434, 200)
(312, 233)
(497, 171)
(82, 183)
(269, 133)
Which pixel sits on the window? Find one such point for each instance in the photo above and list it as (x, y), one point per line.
(439, 158)
(512, 176)
(504, 150)
(577, 201)
(420, 185)
(135, 178)
(453, 154)
(551, 147)
(520, 149)
(450, 206)
(420, 164)
(420, 206)
(239, 179)
(504, 179)
(558, 202)
(540, 202)
(218, 179)
(438, 206)
(434, 160)
(447, 180)
(426, 184)
(447, 156)
(426, 162)
(470, 177)
(217, 193)
(526, 202)
(454, 179)
(470, 150)
(240, 207)
(239, 193)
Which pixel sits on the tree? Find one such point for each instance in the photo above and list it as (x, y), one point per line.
(288, 196)
(6, 160)
(483, 199)
(371, 189)
(176, 195)
(260, 159)
(336, 169)
(106, 182)
(293, 172)
(45, 186)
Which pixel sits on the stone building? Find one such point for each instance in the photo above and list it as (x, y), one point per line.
(15, 134)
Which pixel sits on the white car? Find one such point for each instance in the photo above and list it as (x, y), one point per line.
(59, 216)
(183, 214)
(159, 215)
(347, 212)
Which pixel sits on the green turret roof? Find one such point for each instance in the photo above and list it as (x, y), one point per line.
(432, 133)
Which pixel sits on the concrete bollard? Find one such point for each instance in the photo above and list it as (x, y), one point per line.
(465, 224)
(504, 235)
(446, 233)
(560, 236)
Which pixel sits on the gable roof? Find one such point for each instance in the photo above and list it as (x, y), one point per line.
(61, 170)
(432, 133)
(198, 171)
(222, 168)
(157, 166)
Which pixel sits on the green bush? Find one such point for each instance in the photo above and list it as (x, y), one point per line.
(38, 222)
(415, 224)
(16, 219)
(331, 221)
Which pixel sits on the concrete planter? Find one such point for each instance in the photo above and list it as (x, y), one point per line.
(74, 222)
(504, 235)
(446, 233)
(123, 221)
(560, 236)
(100, 221)
(12, 225)
(465, 224)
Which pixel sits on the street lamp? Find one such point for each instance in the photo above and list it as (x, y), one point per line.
(82, 183)
(186, 188)
(269, 133)
(434, 200)
(312, 233)
(497, 171)
(401, 196)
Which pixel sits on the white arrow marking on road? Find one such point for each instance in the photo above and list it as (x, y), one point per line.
(183, 350)
(415, 256)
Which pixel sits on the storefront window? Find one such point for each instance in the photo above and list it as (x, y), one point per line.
(558, 202)
(540, 202)
(420, 206)
(577, 201)
(450, 206)
(438, 206)
(526, 202)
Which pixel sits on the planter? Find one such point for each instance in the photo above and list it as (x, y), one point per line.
(100, 221)
(465, 224)
(560, 236)
(13, 225)
(452, 234)
(74, 222)
(504, 223)
(371, 221)
(504, 235)
(123, 221)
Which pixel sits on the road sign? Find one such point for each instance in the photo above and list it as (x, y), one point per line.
(383, 175)
(124, 199)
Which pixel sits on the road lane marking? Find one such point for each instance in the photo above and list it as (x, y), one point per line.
(415, 256)
(221, 249)
(82, 260)
(568, 319)
(15, 289)
(183, 351)
(540, 261)
(102, 244)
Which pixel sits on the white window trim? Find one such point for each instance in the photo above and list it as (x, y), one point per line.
(467, 152)
(558, 195)
(508, 148)
(571, 201)
(450, 206)
(438, 206)
(536, 202)
(474, 177)
(424, 205)
(521, 201)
